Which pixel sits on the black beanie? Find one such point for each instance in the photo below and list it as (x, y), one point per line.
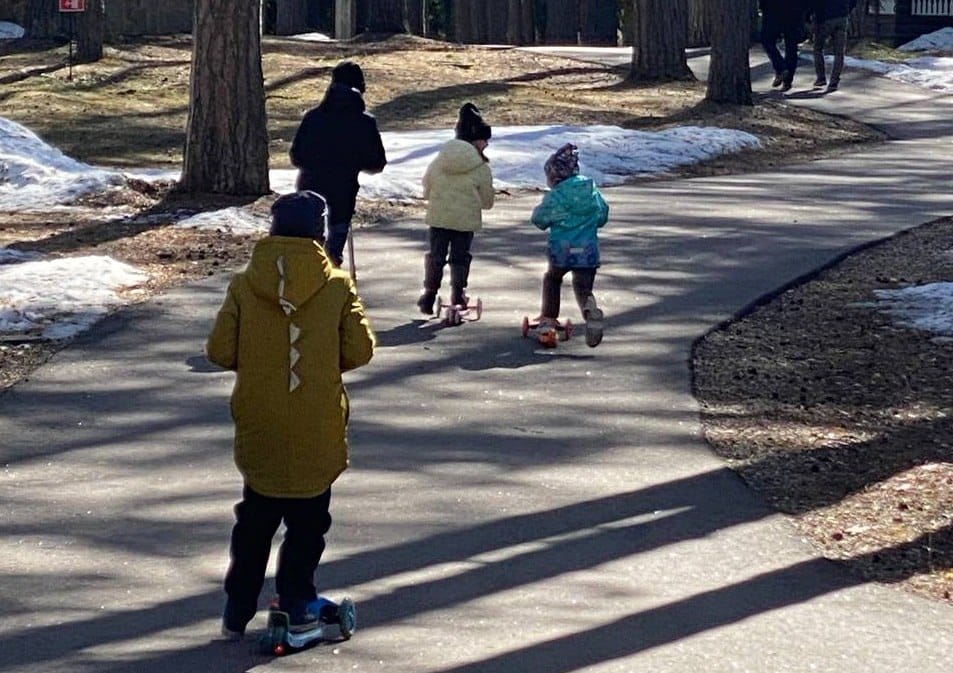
(349, 74)
(301, 214)
(470, 124)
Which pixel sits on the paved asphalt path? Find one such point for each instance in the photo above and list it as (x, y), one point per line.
(508, 510)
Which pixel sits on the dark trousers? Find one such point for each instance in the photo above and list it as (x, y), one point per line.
(257, 518)
(834, 30)
(335, 240)
(773, 27)
(457, 245)
(582, 281)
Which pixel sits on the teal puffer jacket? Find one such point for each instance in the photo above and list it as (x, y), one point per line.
(573, 211)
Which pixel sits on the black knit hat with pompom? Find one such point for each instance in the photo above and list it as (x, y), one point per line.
(470, 124)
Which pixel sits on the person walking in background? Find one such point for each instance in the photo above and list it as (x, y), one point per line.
(289, 326)
(782, 18)
(458, 186)
(335, 142)
(573, 211)
(830, 23)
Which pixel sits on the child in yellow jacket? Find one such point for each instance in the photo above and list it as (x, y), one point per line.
(289, 326)
(458, 185)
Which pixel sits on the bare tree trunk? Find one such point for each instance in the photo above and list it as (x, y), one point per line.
(469, 21)
(660, 29)
(345, 19)
(43, 21)
(481, 22)
(729, 77)
(529, 21)
(599, 22)
(416, 23)
(226, 143)
(292, 17)
(699, 21)
(386, 16)
(496, 13)
(90, 31)
(519, 22)
(562, 22)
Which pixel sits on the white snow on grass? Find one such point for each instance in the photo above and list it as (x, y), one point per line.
(233, 220)
(8, 256)
(10, 31)
(311, 37)
(59, 298)
(35, 175)
(930, 72)
(923, 307)
(607, 154)
(940, 40)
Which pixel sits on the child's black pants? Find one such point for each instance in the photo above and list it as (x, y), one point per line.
(582, 282)
(257, 518)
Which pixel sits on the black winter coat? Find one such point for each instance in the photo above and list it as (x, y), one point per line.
(336, 141)
(822, 10)
(783, 10)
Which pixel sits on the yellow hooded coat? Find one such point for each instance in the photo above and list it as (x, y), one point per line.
(289, 326)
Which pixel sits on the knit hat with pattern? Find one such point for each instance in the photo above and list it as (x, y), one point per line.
(564, 163)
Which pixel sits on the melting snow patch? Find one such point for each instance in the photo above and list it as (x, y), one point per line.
(8, 256)
(941, 40)
(233, 220)
(924, 307)
(60, 298)
(36, 175)
(10, 31)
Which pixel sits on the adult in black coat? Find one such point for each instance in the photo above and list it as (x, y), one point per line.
(782, 18)
(334, 143)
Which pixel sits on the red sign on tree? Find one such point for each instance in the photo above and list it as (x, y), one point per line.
(72, 5)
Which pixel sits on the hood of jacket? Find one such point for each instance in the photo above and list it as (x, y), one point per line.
(342, 99)
(287, 270)
(458, 156)
(577, 195)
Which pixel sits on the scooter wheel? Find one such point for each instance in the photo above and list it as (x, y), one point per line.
(525, 326)
(347, 618)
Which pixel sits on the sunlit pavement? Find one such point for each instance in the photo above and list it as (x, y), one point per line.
(508, 509)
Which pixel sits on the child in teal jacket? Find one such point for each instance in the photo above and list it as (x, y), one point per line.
(573, 211)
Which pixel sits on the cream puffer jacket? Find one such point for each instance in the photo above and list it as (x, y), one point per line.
(458, 185)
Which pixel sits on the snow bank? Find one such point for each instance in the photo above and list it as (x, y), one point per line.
(35, 175)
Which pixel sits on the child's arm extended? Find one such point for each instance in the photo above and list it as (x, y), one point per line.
(485, 187)
(603, 209)
(222, 345)
(357, 339)
(546, 213)
(427, 180)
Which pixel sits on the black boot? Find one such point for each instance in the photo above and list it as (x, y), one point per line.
(459, 273)
(426, 301)
(433, 275)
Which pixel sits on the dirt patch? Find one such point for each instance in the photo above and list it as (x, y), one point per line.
(843, 418)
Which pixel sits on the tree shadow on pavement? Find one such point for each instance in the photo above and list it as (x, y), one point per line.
(563, 540)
